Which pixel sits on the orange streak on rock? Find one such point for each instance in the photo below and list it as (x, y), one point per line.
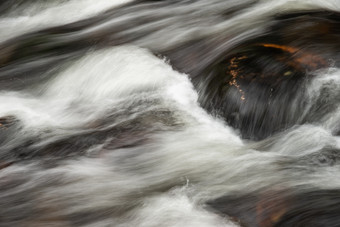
(313, 61)
(281, 47)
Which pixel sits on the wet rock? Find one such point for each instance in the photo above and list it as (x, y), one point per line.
(317, 208)
(258, 86)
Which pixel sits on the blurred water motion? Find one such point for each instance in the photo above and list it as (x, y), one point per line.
(169, 113)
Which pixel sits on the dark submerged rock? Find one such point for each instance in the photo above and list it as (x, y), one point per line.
(281, 208)
(258, 86)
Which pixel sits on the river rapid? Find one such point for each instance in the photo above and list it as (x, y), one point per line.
(112, 113)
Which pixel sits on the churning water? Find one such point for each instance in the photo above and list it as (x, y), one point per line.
(121, 113)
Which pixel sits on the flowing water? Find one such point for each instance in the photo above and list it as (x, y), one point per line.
(112, 113)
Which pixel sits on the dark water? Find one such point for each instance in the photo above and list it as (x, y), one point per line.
(169, 113)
